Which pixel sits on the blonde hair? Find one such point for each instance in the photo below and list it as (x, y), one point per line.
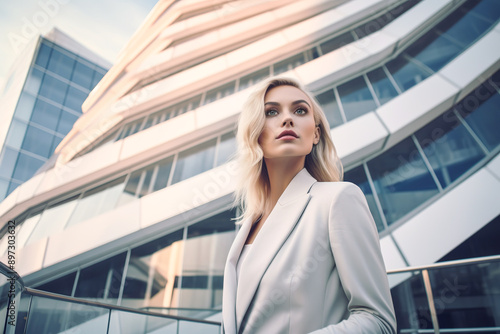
(253, 185)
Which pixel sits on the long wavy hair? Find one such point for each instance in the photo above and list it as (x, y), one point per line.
(253, 186)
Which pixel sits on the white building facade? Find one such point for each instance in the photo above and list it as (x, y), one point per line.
(135, 208)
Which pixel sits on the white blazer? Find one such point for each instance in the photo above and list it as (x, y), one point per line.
(315, 266)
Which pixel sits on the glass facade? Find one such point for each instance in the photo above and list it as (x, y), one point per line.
(182, 269)
(322, 48)
(58, 82)
(362, 94)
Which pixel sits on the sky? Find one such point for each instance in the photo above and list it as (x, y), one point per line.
(103, 26)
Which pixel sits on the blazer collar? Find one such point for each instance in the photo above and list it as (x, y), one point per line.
(268, 242)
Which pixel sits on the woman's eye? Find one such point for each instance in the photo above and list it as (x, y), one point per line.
(271, 112)
(301, 111)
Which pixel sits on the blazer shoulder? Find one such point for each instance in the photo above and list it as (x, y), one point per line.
(336, 188)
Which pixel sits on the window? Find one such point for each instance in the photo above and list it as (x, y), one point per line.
(82, 75)
(253, 78)
(53, 89)
(449, 147)
(358, 177)
(101, 280)
(194, 161)
(207, 244)
(480, 110)
(226, 148)
(219, 92)
(97, 200)
(336, 42)
(46, 114)
(289, 64)
(151, 273)
(401, 179)
(406, 73)
(53, 219)
(382, 86)
(356, 98)
(26, 167)
(330, 107)
(37, 141)
(61, 64)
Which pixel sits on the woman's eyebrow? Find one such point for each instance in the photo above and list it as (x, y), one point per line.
(293, 103)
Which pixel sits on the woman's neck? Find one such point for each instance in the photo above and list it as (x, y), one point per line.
(281, 172)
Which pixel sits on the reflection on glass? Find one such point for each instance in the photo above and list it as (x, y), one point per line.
(164, 168)
(56, 316)
(330, 107)
(152, 271)
(46, 114)
(434, 50)
(449, 147)
(467, 296)
(66, 122)
(102, 280)
(140, 323)
(194, 161)
(406, 73)
(410, 304)
(382, 86)
(82, 75)
(358, 177)
(7, 162)
(26, 167)
(146, 182)
(206, 249)
(226, 148)
(336, 42)
(15, 136)
(219, 92)
(62, 285)
(33, 81)
(289, 64)
(61, 64)
(97, 200)
(488, 10)
(253, 78)
(463, 27)
(24, 107)
(75, 98)
(356, 98)
(53, 89)
(43, 55)
(401, 179)
(37, 141)
(480, 110)
(53, 219)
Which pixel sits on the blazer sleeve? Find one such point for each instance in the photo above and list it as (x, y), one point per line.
(356, 250)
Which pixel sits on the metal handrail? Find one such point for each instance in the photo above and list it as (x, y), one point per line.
(473, 260)
(51, 295)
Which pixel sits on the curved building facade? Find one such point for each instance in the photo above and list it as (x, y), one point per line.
(135, 206)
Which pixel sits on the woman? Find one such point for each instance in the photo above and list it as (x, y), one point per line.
(307, 256)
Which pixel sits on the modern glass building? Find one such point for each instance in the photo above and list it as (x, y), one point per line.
(44, 95)
(135, 207)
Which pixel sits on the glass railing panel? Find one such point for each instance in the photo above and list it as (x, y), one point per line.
(51, 316)
(189, 327)
(131, 323)
(410, 303)
(467, 296)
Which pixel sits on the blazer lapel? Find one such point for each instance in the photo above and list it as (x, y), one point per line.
(230, 282)
(273, 234)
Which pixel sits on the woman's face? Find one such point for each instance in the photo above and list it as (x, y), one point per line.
(289, 128)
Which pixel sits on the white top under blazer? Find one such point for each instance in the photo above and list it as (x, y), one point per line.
(315, 267)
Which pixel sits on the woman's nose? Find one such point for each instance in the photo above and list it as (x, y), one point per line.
(287, 120)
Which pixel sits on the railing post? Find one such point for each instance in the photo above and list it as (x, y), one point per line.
(109, 321)
(430, 299)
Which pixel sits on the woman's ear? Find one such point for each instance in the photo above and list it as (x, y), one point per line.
(317, 134)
